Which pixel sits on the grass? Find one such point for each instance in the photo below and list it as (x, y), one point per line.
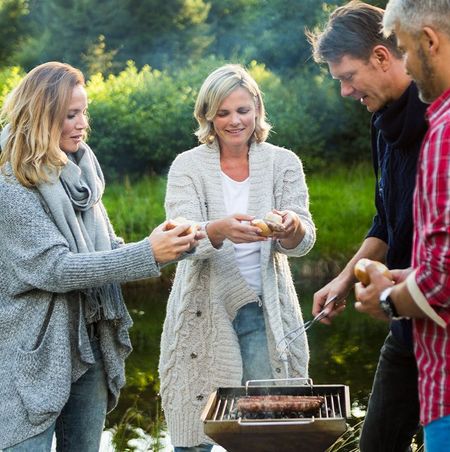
(136, 207)
(341, 202)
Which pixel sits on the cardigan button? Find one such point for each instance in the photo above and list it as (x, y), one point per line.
(278, 370)
(198, 313)
(199, 397)
(193, 355)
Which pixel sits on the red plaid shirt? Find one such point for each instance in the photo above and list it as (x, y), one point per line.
(431, 258)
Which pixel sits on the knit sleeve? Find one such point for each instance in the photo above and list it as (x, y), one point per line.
(186, 197)
(37, 256)
(291, 193)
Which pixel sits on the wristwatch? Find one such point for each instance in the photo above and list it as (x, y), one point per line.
(387, 305)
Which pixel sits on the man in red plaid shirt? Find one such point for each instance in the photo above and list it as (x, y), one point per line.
(423, 291)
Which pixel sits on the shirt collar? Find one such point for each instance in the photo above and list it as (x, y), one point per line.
(439, 106)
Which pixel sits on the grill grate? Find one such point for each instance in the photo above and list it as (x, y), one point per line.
(307, 431)
(225, 409)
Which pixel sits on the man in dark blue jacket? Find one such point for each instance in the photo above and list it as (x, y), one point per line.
(370, 69)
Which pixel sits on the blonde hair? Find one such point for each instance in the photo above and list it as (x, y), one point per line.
(35, 111)
(215, 89)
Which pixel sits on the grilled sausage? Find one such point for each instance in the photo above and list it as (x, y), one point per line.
(282, 403)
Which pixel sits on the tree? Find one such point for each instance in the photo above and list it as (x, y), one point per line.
(12, 30)
(98, 59)
(145, 31)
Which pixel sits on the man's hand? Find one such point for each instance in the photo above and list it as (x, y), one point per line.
(368, 297)
(337, 287)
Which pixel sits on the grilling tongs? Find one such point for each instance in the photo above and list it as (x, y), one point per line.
(297, 332)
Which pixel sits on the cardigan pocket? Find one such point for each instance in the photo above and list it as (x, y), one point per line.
(42, 376)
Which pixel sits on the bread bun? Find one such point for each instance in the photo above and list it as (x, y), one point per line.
(361, 272)
(272, 222)
(172, 224)
(264, 228)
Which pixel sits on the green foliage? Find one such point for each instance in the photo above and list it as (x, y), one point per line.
(9, 78)
(146, 31)
(98, 59)
(136, 208)
(142, 119)
(12, 27)
(282, 44)
(141, 116)
(342, 208)
(310, 117)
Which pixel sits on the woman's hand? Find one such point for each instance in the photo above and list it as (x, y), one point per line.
(236, 228)
(168, 245)
(294, 230)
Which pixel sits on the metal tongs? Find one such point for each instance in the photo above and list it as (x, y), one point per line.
(297, 332)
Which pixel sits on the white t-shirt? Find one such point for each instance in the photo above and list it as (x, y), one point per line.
(248, 255)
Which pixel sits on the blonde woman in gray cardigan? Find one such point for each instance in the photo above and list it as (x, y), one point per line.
(233, 300)
(63, 322)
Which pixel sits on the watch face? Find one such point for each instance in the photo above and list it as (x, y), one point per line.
(385, 302)
(386, 308)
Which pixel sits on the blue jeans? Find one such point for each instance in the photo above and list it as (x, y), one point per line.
(80, 424)
(251, 332)
(392, 417)
(437, 435)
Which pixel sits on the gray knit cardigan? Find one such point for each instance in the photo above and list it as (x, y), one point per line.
(44, 344)
(199, 348)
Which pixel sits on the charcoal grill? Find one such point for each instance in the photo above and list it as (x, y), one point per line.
(273, 432)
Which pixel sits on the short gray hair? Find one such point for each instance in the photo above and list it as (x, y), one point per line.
(412, 15)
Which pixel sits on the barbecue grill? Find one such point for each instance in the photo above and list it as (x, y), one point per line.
(312, 431)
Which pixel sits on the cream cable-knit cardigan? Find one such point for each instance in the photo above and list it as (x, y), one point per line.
(199, 348)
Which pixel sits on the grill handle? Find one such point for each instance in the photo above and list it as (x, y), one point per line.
(246, 423)
(304, 381)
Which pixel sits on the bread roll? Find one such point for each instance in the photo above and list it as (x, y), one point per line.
(272, 222)
(264, 228)
(361, 272)
(171, 224)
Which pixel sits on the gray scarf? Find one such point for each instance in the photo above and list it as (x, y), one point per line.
(74, 200)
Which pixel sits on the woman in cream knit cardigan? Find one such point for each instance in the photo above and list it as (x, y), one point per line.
(233, 300)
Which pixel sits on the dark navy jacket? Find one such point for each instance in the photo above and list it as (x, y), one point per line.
(397, 134)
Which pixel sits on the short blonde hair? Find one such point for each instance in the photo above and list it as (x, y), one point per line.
(35, 111)
(215, 89)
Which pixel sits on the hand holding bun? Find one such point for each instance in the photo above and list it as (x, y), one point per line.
(361, 272)
(172, 224)
(272, 222)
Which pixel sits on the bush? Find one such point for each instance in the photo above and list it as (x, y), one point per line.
(310, 117)
(141, 119)
(9, 78)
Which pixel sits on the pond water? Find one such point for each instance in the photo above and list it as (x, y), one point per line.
(344, 353)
